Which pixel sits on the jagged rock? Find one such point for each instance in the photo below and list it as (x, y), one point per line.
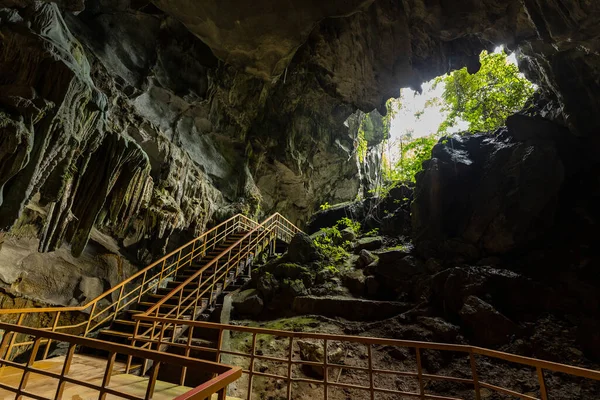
(248, 302)
(443, 331)
(91, 287)
(268, 285)
(486, 325)
(315, 352)
(302, 249)
(368, 243)
(396, 270)
(365, 258)
(348, 235)
(486, 194)
(355, 281)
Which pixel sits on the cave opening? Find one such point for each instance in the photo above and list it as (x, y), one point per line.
(461, 102)
(129, 129)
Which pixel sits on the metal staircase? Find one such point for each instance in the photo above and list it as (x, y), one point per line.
(153, 340)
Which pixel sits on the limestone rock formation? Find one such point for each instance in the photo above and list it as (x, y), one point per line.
(486, 194)
(148, 121)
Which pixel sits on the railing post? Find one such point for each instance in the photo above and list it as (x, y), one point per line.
(371, 380)
(91, 318)
(475, 375)
(251, 369)
(325, 371)
(543, 391)
(107, 374)
(26, 372)
(13, 337)
(142, 287)
(290, 357)
(420, 374)
(118, 302)
(65, 370)
(54, 325)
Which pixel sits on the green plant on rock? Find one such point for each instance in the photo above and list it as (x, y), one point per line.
(348, 223)
(372, 232)
(325, 206)
(333, 269)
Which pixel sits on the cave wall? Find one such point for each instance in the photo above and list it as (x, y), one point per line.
(147, 121)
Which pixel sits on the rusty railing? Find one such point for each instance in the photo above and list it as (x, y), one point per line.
(280, 367)
(108, 305)
(59, 375)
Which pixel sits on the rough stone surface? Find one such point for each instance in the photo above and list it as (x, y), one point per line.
(365, 258)
(348, 308)
(302, 249)
(487, 326)
(368, 243)
(486, 194)
(248, 302)
(315, 352)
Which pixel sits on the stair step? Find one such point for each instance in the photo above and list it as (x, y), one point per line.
(133, 312)
(125, 324)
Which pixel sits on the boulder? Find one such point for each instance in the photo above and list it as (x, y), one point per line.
(486, 326)
(369, 243)
(267, 285)
(487, 193)
(91, 287)
(302, 249)
(315, 352)
(365, 257)
(395, 270)
(355, 281)
(248, 302)
(348, 235)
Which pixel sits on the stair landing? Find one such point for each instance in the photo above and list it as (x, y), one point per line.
(88, 369)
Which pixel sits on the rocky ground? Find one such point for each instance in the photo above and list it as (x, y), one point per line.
(484, 250)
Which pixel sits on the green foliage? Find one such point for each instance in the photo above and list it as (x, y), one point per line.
(484, 99)
(362, 146)
(392, 106)
(325, 206)
(372, 232)
(330, 240)
(413, 152)
(333, 269)
(348, 223)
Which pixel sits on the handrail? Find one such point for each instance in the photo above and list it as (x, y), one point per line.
(227, 266)
(472, 351)
(264, 225)
(225, 374)
(105, 308)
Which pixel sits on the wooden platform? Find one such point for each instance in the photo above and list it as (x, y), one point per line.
(88, 369)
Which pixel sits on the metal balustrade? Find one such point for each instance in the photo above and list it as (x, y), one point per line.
(108, 305)
(373, 374)
(196, 293)
(19, 377)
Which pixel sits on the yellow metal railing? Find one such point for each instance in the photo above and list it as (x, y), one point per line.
(60, 376)
(198, 292)
(367, 379)
(108, 305)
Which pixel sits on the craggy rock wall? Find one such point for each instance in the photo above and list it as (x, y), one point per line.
(146, 121)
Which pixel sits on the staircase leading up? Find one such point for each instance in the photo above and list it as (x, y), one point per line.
(122, 328)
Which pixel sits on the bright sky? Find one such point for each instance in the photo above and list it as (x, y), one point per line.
(412, 102)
